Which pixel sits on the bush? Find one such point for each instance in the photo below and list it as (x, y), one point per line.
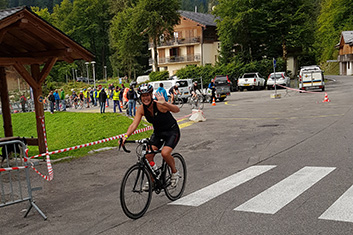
(159, 76)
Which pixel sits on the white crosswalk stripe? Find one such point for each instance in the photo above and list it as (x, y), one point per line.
(276, 197)
(204, 195)
(342, 209)
(273, 199)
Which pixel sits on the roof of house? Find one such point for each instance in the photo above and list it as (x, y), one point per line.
(201, 18)
(347, 37)
(27, 37)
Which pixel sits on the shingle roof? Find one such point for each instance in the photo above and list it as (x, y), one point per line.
(202, 18)
(10, 11)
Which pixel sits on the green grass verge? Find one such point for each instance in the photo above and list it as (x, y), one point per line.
(68, 129)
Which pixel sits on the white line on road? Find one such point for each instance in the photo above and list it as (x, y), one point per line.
(204, 195)
(342, 209)
(273, 199)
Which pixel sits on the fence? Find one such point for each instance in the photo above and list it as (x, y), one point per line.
(15, 184)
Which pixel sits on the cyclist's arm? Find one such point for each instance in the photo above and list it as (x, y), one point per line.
(135, 123)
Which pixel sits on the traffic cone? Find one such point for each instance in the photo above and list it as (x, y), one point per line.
(326, 98)
(214, 102)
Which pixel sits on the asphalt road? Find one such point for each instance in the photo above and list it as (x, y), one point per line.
(256, 166)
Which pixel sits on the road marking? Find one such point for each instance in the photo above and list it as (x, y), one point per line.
(342, 209)
(273, 199)
(186, 124)
(204, 195)
(281, 118)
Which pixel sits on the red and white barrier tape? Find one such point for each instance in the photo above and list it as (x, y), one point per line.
(292, 89)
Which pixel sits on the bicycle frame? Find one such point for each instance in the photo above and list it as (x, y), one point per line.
(159, 180)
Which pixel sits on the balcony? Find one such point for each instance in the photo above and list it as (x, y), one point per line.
(177, 59)
(176, 41)
(345, 58)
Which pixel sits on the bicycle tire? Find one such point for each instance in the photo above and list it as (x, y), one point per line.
(200, 102)
(190, 102)
(175, 193)
(134, 200)
(179, 102)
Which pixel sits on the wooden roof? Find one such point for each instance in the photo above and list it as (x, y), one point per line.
(28, 39)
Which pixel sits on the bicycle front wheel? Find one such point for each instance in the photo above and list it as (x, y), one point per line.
(179, 102)
(200, 102)
(176, 192)
(134, 198)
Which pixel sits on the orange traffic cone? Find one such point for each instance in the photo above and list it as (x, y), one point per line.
(326, 98)
(214, 102)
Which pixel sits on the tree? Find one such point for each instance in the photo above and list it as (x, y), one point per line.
(3, 4)
(335, 16)
(264, 29)
(157, 17)
(126, 41)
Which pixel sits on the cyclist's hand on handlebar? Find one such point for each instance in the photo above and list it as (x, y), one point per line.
(122, 144)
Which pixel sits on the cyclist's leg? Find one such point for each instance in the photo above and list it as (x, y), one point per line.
(168, 158)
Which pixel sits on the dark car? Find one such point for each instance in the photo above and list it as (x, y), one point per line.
(223, 85)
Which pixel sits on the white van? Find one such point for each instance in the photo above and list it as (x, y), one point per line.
(142, 79)
(311, 77)
(184, 86)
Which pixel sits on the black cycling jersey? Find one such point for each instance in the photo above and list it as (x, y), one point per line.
(172, 89)
(161, 121)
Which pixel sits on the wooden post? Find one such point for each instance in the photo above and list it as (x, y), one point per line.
(39, 109)
(5, 104)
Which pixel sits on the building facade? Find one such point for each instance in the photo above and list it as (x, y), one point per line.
(345, 56)
(195, 41)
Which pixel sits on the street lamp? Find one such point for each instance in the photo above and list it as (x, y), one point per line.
(105, 73)
(87, 63)
(94, 74)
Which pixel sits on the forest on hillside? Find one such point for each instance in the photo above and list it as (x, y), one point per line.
(118, 31)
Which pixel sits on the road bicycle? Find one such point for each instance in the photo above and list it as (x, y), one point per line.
(178, 101)
(196, 103)
(135, 193)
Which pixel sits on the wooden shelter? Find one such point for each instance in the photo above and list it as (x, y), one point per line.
(29, 42)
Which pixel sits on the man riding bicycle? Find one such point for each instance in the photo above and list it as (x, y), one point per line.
(174, 91)
(166, 129)
(193, 90)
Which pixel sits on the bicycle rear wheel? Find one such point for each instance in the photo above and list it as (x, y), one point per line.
(134, 200)
(175, 193)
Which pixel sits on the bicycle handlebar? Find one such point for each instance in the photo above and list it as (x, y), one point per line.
(142, 141)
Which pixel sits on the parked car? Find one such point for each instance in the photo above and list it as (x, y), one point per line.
(222, 84)
(83, 79)
(251, 81)
(280, 78)
(311, 77)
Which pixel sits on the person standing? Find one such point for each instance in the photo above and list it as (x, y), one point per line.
(102, 100)
(131, 96)
(212, 86)
(162, 91)
(51, 99)
(116, 94)
(62, 97)
(91, 95)
(57, 100)
(23, 102)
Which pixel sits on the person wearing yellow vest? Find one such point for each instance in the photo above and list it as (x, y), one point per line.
(99, 91)
(85, 95)
(116, 93)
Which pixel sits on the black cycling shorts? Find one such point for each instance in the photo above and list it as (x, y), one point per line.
(168, 138)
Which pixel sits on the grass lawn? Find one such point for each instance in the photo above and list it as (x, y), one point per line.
(68, 129)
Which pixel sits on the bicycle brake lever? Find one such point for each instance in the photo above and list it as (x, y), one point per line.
(124, 148)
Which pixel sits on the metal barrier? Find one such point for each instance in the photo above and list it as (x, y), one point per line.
(15, 184)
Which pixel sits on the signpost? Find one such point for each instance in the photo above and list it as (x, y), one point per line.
(275, 95)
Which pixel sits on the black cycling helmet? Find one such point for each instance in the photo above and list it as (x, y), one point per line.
(145, 88)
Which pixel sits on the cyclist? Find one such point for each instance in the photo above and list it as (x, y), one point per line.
(74, 98)
(193, 90)
(174, 91)
(166, 129)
